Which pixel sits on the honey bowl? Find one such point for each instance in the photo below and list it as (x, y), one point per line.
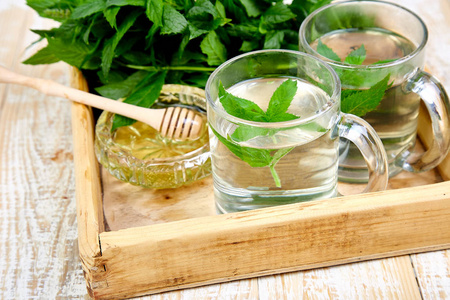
(139, 155)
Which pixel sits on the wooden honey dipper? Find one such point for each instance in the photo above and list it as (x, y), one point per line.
(172, 122)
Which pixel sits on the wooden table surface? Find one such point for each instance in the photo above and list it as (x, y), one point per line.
(38, 246)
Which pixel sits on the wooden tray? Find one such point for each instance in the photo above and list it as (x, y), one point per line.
(136, 241)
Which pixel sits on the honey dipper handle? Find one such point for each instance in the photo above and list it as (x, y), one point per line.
(152, 117)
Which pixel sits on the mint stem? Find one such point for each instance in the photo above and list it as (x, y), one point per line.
(275, 176)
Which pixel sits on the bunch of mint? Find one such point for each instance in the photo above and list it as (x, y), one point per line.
(358, 101)
(130, 48)
(248, 110)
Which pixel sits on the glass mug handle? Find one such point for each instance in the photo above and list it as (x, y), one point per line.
(437, 103)
(369, 144)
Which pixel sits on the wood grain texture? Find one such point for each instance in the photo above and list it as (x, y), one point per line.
(88, 192)
(38, 247)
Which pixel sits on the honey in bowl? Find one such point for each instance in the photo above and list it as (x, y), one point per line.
(139, 155)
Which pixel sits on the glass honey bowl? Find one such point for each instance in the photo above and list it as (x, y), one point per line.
(139, 155)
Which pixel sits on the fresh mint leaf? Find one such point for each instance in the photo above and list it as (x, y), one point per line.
(302, 8)
(111, 44)
(251, 6)
(326, 51)
(276, 14)
(122, 89)
(281, 99)
(273, 39)
(241, 108)
(254, 157)
(204, 17)
(52, 9)
(244, 133)
(73, 52)
(221, 9)
(173, 21)
(154, 11)
(110, 15)
(125, 2)
(88, 8)
(283, 117)
(248, 46)
(357, 56)
(146, 93)
(214, 49)
(43, 56)
(360, 102)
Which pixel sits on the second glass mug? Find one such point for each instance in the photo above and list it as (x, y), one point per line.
(394, 40)
(289, 161)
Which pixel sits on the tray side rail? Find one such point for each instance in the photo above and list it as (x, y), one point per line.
(201, 251)
(87, 189)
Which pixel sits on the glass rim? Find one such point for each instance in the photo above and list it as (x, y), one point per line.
(401, 60)
(333, 100)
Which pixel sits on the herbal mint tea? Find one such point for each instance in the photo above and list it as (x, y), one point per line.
(394, 116)
(380, 45)
(255, 168)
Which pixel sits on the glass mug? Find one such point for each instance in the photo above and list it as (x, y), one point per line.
(394, 40)
(284, 162)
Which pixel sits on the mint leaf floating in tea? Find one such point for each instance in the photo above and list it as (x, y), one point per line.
(280, 102)
(357, 101)
(248, 110)
(360, 102)
(357, 56)
(326, 51)
(239, 107)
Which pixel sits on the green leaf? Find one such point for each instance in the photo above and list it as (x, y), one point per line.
(125, 2)
(204, 17)
(239, 107)
(220, 9)
(252, 156)
(154, 11)
(110, 15)
(173, 21)
(251, 7)
(122, 89)
(44, 56)
(88, 8)
(273, 39)
(214, 49)
(326, 51)
(249, 46)
(145, 94)
(245, 133)
(277, 13)
(357, 56)
(53, 9)
(360, 102)
(108, 53)
(72, 52)
(283, 117)
(281, 99)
